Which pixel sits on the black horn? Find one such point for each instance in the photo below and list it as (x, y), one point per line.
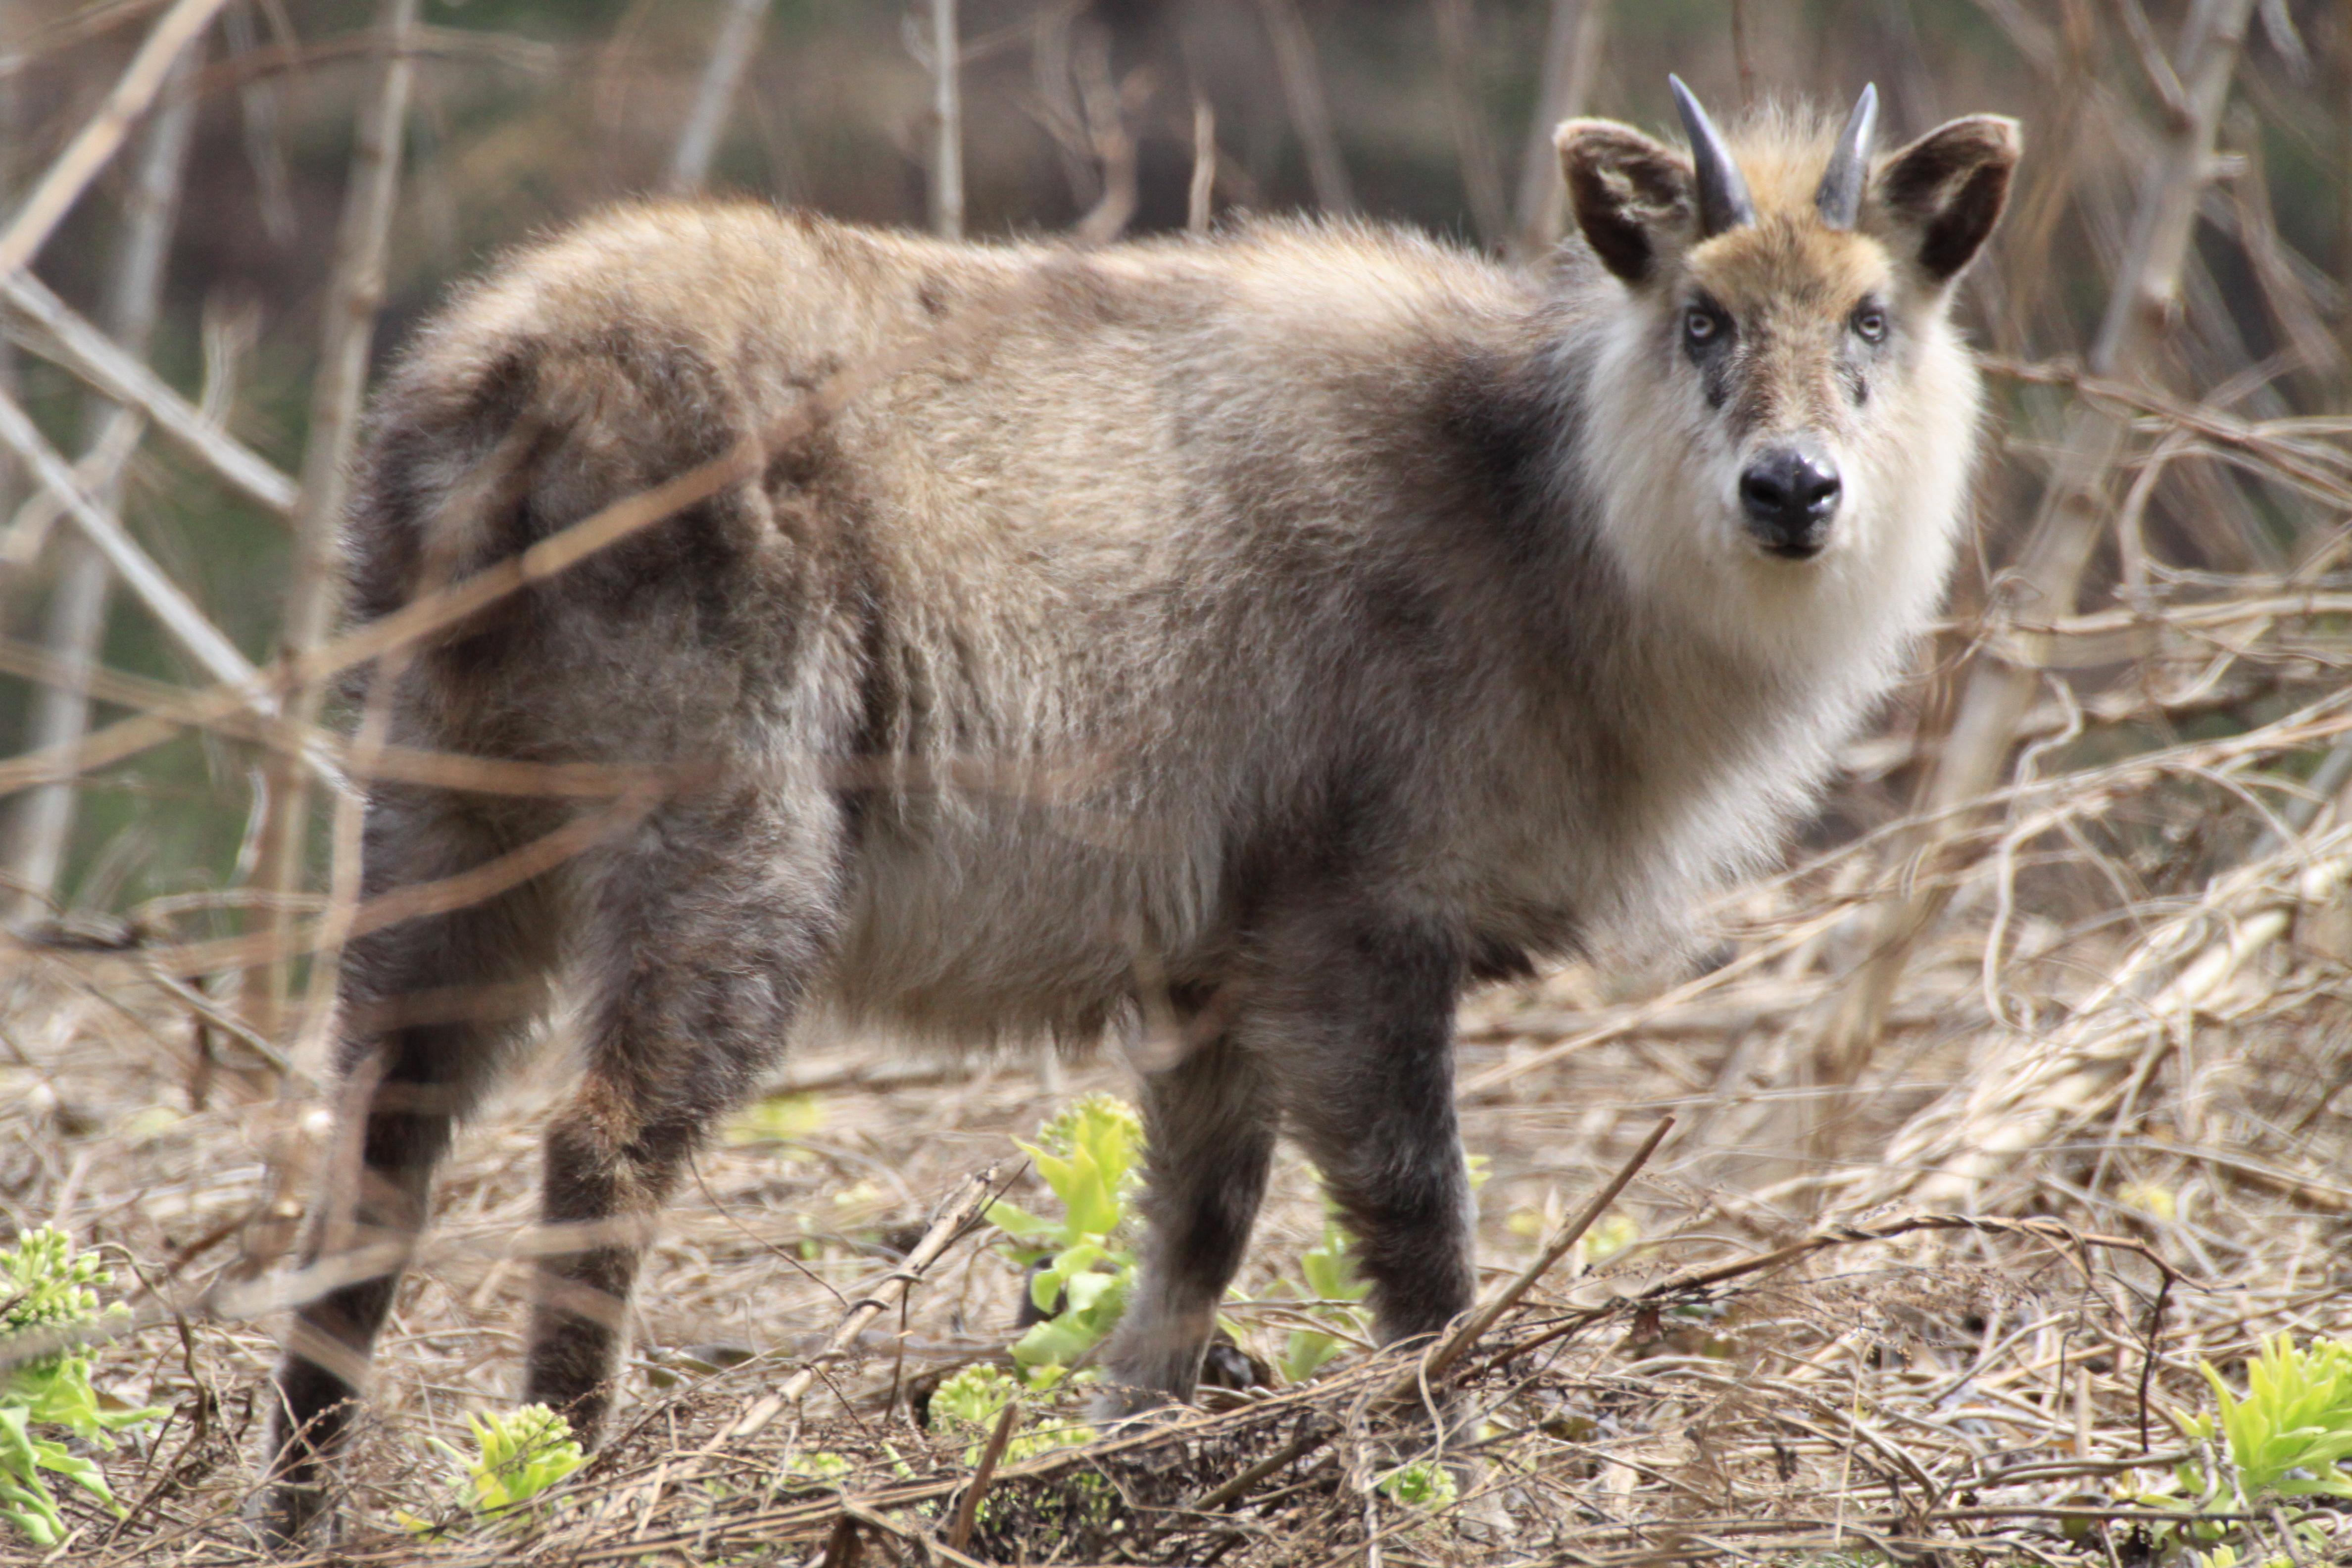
(1723, 199)
(1840, 197)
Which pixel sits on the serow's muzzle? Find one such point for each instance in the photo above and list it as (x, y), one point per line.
(1789, 494)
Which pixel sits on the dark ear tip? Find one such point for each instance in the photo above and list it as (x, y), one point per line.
(1574, 132)
(1994, 136)
(1587, 146)
(2002, 133)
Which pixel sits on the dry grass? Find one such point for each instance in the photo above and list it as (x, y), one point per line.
(1910, 1382)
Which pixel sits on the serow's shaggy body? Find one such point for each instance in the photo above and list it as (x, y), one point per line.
(1282, 630)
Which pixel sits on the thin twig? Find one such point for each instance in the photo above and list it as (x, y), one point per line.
(102, 134)
(1425, 1371)
(956, 1217)
(1572, 53)
(1457, 54)
(2068, 522)
(1310, 112)
(1474, 1327)
(1204, 188)
(42, 823)
(968, 1506)
(354, 290)
(90, 354)
(947, 129)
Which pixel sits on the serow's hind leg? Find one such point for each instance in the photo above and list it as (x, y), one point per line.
(701, 941)
(430, 1007)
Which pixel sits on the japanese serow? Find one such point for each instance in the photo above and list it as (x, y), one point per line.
(1284, 628)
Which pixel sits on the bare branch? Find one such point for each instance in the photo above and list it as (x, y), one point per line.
(947, 114)
(1310, 115)
(723, 74)
(2030, 1088)
(1571, 52)
(42, 823)
(354, 290)
(74, 343)
(99, 140)
(1204, 189)
(214, 653)
(264, 149)
(1107, 107)
(956, 1217)
(1457, 33)
(2071, 518)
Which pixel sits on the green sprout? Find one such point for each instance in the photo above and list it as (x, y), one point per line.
(1424, 1483)
(45, 1288)
(516, 1458)
(969, 1402)
(2287, 1435)
(973, 1397)
(1088, 1156)
(776, 1119)
(1329, 1267)
(2286, 1438)
(815, 1468)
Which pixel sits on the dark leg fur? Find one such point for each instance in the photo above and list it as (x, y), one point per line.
(467, 981)
(701, 940)
(1367, 1085)
(1345, 1027)
(1209, 1125)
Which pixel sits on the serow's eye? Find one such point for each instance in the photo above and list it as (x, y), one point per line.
(1700, 327)
(1870, 324)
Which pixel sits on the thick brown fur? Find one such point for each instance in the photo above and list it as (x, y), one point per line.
(1294, 625)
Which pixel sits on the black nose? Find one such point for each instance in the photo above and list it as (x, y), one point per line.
(1790, 493)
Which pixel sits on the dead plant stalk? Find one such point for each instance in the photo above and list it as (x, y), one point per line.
(43, 820)
(355, 288)
(2072, 515)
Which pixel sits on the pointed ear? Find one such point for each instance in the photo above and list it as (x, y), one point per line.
(1939, 198)
(1631, 196)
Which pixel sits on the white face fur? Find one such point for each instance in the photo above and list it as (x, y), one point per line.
(1675, 435)
(1780, 414)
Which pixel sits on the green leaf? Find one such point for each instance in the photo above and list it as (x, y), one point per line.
(1328, 1269)
(2287, 1437)
(1089, 1292)
(43, 1288)
(1421, 1484)
(517, 1456)
(84, 1473)
(1305, 1352)
(776, 1119)
(28, 1504)
(817, 1465)
(1087, 1155)
(973, 1397)
(1056, 1342)
(1020, 1223)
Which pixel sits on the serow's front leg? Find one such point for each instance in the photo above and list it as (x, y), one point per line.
(1363, 1053)
(1209, 1137)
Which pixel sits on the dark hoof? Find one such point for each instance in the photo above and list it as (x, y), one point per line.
(1227, 1365)
(1124, 1404)
(287, 1516)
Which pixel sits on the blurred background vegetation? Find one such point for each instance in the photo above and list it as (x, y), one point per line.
(527, 113)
